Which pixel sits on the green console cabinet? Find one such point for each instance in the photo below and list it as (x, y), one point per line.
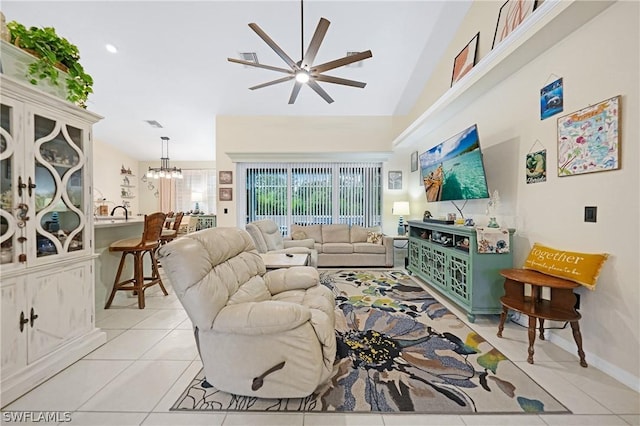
(446, 257)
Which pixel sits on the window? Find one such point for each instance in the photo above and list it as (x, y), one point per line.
(310, 193)
(197, 187)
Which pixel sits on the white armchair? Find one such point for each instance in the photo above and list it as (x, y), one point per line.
(265, 334)
(268, 239)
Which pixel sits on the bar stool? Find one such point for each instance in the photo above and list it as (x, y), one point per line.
(171, 233)
(138, 247)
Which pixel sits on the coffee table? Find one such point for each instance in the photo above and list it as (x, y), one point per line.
(281, 260)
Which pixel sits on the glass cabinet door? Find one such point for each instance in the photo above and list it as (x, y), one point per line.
(12, 210)
(59, 178)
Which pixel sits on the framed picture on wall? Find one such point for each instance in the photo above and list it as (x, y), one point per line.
(465, 60)
(225, 194)
(414, 161)
(512, 14)
(395, 179)
(588, 139)
(225, 177)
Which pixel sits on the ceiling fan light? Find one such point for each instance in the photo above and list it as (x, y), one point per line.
(302, 76)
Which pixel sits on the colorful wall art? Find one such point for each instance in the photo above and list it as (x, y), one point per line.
(551, 99)
(588, 139)
(536, 169)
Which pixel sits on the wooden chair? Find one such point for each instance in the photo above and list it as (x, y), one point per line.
(171, 233)
(138, 247)
(167, 223)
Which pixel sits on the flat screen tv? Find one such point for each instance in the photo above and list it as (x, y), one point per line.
(453, 170)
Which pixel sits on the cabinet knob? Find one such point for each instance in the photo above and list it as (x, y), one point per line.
(32, 318)
(22, 322)
(21, 186)
(31, 186)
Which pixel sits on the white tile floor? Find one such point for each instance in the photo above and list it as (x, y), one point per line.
(150, 357)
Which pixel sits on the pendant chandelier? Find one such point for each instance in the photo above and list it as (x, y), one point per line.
(165, 170)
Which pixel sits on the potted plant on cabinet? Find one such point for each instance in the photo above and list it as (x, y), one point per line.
(53, 54)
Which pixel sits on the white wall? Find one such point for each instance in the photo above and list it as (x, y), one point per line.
(107, 161)
(346, 137)
(598, 61)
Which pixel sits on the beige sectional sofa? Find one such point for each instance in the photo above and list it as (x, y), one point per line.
(344, 245)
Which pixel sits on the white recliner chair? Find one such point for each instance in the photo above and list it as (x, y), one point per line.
(265, 334)
(268, 239)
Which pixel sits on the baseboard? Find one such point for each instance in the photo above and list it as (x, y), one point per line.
(606, 367)
(16, 385)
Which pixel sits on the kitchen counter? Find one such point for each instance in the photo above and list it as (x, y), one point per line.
(114, 221)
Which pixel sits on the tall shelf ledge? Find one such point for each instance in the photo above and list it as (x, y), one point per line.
(549, 24)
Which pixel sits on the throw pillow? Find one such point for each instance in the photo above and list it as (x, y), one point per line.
(582, 268)
(374, 237)
(298, 235)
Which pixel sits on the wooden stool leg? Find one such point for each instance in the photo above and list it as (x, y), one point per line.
(155, 272)
(541, 320)
(577, 336)
(116, 282)
(138, 284)
(532, 337)
(503, 318)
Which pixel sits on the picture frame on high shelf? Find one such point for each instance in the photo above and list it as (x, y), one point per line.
(512, 13)
(414, 161)
(588, 139)
(225, 194)
(225, 177)
(395, 179)
(465, 60)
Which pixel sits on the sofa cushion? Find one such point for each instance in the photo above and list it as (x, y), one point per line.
(369, 248)
(359, 233)
(338, 233)
(318, 247)
(299, 235)
(337, 248)
(374, 237)
(310, 231)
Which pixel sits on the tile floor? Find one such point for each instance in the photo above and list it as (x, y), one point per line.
(150, 357)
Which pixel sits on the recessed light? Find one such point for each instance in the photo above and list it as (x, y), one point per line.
(111, 48)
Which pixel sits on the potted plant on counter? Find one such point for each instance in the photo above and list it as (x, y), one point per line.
(55, 58)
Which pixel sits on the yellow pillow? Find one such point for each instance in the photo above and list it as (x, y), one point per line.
(299, 235)
(582, 268)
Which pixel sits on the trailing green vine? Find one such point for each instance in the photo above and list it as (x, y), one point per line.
(51, 51)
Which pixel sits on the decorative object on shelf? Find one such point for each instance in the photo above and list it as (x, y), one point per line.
(469, 222)
(512, 13)
(414, 161)
(492, 240)
(492, 208)
(551, 99)
(165, 170)
(225, 194)
(125, 171)
(225, 177)
(304, 71)
(465, 60)
(395, 179)
(588, 139)
(401, 208)
(4, 30)
(53, 54)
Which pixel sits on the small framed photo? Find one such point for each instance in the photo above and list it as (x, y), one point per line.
(225, 194)
(225, 177)
(414, 161)
(465, 60)
(395, 179)
(511, 14)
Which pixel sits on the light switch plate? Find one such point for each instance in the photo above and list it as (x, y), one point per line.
(590, 213)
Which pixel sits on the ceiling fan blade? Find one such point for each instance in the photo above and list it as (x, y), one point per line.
(319, 90)
(314, 45)
(338, 80)
(294, 92)
(270, 83)
(253, 64)
(341, 62)
(272, 44)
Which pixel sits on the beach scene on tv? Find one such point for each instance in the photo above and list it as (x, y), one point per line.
(453, 170)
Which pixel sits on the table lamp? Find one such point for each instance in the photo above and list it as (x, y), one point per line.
(196, 197)
(400, 208)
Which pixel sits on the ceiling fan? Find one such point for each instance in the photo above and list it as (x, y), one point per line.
(303, 71)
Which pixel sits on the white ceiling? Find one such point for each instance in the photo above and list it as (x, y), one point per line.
(172, 61)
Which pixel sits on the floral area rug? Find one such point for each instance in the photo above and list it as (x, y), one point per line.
(399, 350)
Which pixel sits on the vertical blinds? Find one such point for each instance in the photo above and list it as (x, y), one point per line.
(310, 193)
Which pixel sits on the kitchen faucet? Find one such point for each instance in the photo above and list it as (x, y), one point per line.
(126, 212)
